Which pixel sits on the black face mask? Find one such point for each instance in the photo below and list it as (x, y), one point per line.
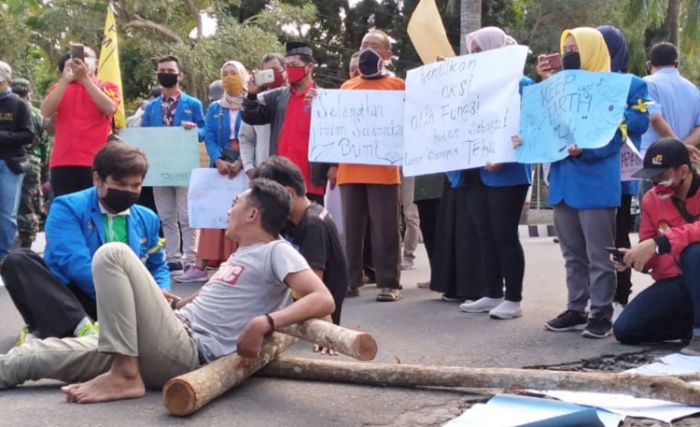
(120, 200)
(369, 64)
(571, 61)
(167, 79)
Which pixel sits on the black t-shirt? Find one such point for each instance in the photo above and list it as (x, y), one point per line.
(316, 238)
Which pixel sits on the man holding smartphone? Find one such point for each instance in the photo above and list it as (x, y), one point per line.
(83, 108)
(669, 234)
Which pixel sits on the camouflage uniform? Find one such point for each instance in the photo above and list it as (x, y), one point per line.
(32, 201)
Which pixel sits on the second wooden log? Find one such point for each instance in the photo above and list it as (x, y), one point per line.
(399, 375)
(187, 393)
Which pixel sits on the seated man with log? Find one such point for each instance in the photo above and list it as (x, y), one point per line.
(310, 229)
(56, 295)
(669, 248)
(144, 343)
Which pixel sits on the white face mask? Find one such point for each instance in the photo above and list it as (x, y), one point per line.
(91, 64)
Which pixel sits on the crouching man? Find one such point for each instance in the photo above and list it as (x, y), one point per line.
(144, 342)
(669, 249)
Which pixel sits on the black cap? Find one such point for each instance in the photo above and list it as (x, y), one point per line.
(299, 48)
(662, 155)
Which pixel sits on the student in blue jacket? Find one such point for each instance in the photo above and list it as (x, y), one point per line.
(174, 108)
(56, 295)
(585, 191)
(495, 197)
(617, 46)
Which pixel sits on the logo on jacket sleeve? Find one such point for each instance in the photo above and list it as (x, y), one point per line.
(663, 226)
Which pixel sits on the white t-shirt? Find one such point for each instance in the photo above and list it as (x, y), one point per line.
(248, 284)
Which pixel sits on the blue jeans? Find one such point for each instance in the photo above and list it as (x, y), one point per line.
(10, 191)
(668, 309)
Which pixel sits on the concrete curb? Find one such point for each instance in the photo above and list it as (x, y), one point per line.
(539, 230)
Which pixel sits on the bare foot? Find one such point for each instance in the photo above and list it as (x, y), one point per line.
(104, 388)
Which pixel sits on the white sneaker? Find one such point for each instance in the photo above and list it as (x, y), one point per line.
(506, 310)
(406, 263)
(617, 310)
(482, 305)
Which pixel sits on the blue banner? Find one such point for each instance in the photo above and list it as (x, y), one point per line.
(572, 107)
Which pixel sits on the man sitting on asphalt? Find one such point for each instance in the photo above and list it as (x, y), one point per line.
(310, 230)
(669, 234)
(56, 295)
(143, 342)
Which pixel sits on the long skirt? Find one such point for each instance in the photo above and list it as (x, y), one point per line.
(214, 247)
(456, 262)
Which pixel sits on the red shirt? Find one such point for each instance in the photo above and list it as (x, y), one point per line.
(81, 128)
(294, 137)
(661, 218)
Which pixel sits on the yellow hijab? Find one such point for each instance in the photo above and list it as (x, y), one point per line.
(591, 46)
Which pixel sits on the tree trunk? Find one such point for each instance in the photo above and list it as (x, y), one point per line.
(381, 374)
(470, 20)
(673, 18)
(187, 393)
(355, 344)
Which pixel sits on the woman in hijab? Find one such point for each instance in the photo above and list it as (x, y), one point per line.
(495, 197)
(469, 248)
(585, 191)
(224, 124)
(617, 46)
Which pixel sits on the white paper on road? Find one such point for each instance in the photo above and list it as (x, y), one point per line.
(210, 195)
(673, 364)
(510, 411)
(626, 405)
(461, 113)
(357, 126)
(630, 161)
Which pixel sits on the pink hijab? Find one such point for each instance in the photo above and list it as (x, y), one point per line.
(488, 38)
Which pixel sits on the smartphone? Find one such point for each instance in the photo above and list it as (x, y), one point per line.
(264, 77)
(553, 59)
(77, 51)
(617, 254)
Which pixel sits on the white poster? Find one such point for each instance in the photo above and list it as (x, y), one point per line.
(461, 113)
(630, 161)
(210, 196)
(357, 126)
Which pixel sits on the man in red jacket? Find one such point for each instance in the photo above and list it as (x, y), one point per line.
(669, 234)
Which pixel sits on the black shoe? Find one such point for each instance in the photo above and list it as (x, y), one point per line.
(451, 298)
(175, 266)
(569, 320)
(597, 327)
(693, 347)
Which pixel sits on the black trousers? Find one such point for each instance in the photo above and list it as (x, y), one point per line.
(48, 307)
(428, 213)
(622, 240)
(496, 213)
(69, 179)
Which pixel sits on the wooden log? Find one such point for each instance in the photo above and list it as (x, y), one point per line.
(187, 393)
(355, 344)
(400, 375)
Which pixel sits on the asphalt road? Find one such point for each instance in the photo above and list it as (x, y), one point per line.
(420, 329)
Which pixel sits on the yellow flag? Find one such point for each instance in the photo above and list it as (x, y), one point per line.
(108, 69)
(427, 33)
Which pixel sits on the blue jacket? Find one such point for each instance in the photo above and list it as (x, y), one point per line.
(188, 109)
(631, 188)
(592, 179)
(75, 230)
(217, 131)
(510, 173)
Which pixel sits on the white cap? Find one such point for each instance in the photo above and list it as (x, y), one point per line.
(5, 71)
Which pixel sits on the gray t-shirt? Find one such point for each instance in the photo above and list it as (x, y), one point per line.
(248, 284)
